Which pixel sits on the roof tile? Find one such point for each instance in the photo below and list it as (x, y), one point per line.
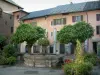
(68, 8)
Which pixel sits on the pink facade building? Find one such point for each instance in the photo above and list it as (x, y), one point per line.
(60, 16)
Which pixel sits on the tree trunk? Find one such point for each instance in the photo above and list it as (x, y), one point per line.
(44, 49)
(29, 49)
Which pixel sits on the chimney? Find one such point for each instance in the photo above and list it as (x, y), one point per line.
(71, 2)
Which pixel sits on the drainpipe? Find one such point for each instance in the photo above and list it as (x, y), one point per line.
(87, 16)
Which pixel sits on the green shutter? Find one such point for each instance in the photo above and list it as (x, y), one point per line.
(34, 23)
(81, 17)
(64, 20)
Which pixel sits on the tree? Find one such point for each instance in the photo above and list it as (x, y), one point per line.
(79, 53)
(2, 41)
(83, 31)
(66, 34)
(44, 42)
(28, 33)
(9, 50)
(80, 31)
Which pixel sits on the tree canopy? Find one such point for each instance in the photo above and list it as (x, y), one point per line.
(43, 42)
(66, 34)
(83, 31)
(71, 33)
(28, 33)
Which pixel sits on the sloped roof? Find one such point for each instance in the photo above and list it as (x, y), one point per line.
(12, 2)
(68, 8)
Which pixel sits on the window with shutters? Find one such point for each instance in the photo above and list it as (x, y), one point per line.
(34, 23)
(98, 17)
(98, 29)
(77, 18)
(60, 21)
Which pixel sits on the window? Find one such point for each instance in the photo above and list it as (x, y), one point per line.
(10, 17)
(51, 34)
(77, 18)
(5, 22)
(34, 23)
(98, 29)
(98, 17)
(11, 29)
(17, 17)
(60, 21)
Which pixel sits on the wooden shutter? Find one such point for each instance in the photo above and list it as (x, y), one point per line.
(64, 20)
(98, 17)
(73, 18)
(97, 29)
(81, 17)
(54, 21)
(34, 23)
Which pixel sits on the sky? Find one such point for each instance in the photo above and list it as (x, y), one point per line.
(35, 5)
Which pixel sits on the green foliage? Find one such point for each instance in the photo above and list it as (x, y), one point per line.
(9, 51)
(78, 67)
(23, 33)
(2, 41)
(43, 42)
(66, 34)
(11, 60)
(92, 58)
(28, 33)
(7, 61)
(3, 60)
(99, 61)
(71, 33)
(40, 32)
(8, 55)
(79, 53)
(83, 31)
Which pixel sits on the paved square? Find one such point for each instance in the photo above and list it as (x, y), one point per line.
(29, 71)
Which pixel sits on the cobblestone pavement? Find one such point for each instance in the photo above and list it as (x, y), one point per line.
(29, 71)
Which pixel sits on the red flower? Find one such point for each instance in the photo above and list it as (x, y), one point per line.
(67, 61)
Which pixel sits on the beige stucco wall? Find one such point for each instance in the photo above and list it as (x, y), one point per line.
(7, 7)
(17, 21)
